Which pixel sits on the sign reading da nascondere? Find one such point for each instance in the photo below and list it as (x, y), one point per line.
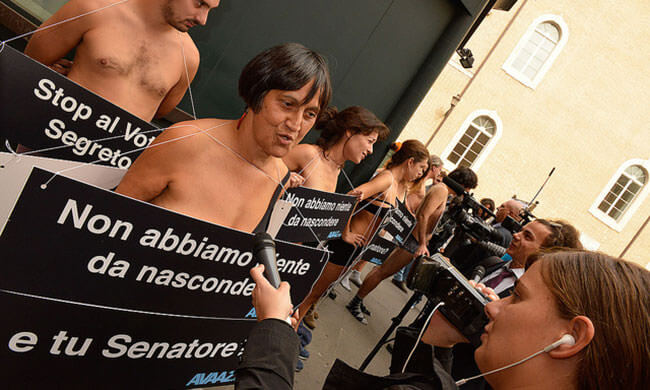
(95, 281)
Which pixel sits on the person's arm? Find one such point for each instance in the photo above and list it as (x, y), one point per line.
(50, 45)
(427, 216)
(298, 158)
(191, 60)
(152, 171)
(271, 352)
(376, 185)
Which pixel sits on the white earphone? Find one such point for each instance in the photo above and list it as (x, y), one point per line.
(566, 339)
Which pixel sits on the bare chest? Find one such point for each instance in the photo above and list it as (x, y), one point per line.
(147, 64)
(229, 194)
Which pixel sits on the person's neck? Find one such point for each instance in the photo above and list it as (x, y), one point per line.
(151, 14)
(518, 263)
(334, 156)
(248, 148)
(527, 376)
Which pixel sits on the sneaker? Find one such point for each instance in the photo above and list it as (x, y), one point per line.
(401, 285)
(355, 277)
(303, 354)
(299, 366)
(355, 310)
(364, 309)
(345, 282)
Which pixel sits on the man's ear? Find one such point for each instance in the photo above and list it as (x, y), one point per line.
(582, 330)
(348, 133)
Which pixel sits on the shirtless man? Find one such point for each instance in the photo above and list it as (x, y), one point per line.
(133, 54)
(227, 171)
(427, 217)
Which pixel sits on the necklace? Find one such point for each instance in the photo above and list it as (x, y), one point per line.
(330, 159)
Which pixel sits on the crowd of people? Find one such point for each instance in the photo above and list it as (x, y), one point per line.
(231, 172)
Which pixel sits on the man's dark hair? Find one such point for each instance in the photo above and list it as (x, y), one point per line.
(465, 177)
(286, 67)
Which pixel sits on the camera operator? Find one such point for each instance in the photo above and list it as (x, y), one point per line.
(577, 320)
(502, 275)
(427, 217)
(470, 252)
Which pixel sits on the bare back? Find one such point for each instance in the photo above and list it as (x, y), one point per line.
(198, 177)
(121, 55)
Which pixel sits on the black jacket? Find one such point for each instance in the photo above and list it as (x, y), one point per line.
(272, 351)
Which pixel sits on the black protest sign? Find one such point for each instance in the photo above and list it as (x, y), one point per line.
(378, 250)
(108, 292)
(315, 213)
(102, 248)
(45, 111)
(400, 224)
(50, 344)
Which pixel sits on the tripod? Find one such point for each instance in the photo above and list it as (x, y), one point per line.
(395, 323)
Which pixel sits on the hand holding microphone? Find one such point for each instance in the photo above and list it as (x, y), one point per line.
(271, 297)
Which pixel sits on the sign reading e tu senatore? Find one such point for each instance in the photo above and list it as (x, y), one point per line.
(105, 291)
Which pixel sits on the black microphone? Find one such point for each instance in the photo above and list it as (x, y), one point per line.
(478, 273)
(492, 248)
(453, 184)
(264, 252)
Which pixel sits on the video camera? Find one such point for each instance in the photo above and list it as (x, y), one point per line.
(464, 306)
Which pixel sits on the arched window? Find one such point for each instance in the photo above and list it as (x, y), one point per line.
(626, 188)
(474, 140)
(537, 50)
(622, 195)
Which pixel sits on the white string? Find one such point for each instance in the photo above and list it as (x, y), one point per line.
(187, 76)
(61, 22)
(417, 341)
(43, 186)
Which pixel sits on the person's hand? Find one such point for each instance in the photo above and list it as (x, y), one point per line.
(356, 193)
(295, 180)
(422, 250)
(355, 239)
(269, 302)
(487, 291)
(62, 66)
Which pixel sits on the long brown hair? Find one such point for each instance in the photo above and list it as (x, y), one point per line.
(409, 149)
(357, 120)
(615, 295)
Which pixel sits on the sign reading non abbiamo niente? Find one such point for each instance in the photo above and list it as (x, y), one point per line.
(117, 293)
(315, 215)
(44, 111)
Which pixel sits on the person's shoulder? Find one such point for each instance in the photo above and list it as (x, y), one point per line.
(190, 131)
(438, 189)
(190, 50)
(306, 152)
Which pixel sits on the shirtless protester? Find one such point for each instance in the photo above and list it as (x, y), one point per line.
(229, 171)
(135, 54)
(427, 217)
(377, 198)
(347, 135)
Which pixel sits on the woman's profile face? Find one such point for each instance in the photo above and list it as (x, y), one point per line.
(359, 146)
(416, 169)
(520, 325)
(283, 119)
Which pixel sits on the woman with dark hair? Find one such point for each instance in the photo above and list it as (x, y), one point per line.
(377, 197)
(230, 172)
(578, 320)
(348, 135)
